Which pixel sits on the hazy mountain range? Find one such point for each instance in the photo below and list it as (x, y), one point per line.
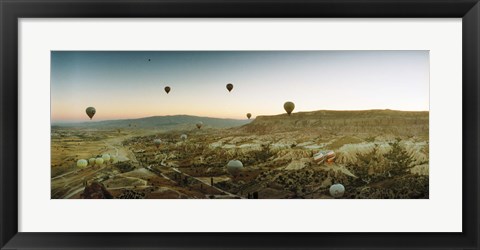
(400, 122)
(174, 121)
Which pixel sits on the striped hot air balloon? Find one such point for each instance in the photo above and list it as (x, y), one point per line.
(320, 157)
(330, 156)
(324, 155)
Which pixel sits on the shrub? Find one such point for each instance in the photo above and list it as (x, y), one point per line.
(399, 161)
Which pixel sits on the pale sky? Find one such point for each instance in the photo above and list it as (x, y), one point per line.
(122, 84)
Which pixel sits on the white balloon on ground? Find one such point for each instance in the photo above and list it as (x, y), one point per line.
(82, 163)
(337, 190)
(91, 161)
(183, 137)
(106, 158)
(99, 161)
(157, 142)
(234, 166)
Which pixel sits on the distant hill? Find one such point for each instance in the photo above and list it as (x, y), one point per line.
(352, 122)
(159, 122)
(363, 121)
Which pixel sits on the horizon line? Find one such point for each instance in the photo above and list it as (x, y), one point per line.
(227, 118)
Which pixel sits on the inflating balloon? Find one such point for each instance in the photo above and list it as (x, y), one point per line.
(337, 190)
(323, 155)
(330, 156)
(199, 124)
(90, 112)
(82, 163)
(167, 89)
(91, 161)
(99, 161)
(234, 166)
(249, 115)
(289, 106)
(229, 87)
(106, 157)
(157, 142)
(183, 137)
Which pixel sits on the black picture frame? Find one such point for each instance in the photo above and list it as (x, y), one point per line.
(11, 11)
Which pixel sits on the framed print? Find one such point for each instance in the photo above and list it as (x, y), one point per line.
(277, 124)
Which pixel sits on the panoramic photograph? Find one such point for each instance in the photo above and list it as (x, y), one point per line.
(240, 124)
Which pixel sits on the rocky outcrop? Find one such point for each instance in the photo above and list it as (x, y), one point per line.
(96, 190)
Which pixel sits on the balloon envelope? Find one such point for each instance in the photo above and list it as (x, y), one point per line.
(229, 87)
(82, 163)
(330, 156)
(99, 161)
(337, 190)
(90, 112)
(106, 157)
(183, 137)
(157, 142)
(289, 106)
(234, 166)
(167, 89)
(91, 161)
(199, 124)
(249, 115)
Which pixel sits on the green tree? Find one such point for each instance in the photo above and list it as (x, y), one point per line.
(398, 160)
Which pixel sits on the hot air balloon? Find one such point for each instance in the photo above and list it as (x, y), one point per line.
(330, 156)
(99, 161)
(90, 112)
(320, 157)
(249, 115)
(234, 166)
(183, 137)
(91, 161)
(289, 106)
(82, 163)
(199, 125)
(323, 155)
(167, 89)
(157, 142)
(229, 87)
(337, 190)
(106, 157)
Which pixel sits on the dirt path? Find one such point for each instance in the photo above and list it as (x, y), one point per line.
(65, 174)
(75, 183)
(121, 153)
